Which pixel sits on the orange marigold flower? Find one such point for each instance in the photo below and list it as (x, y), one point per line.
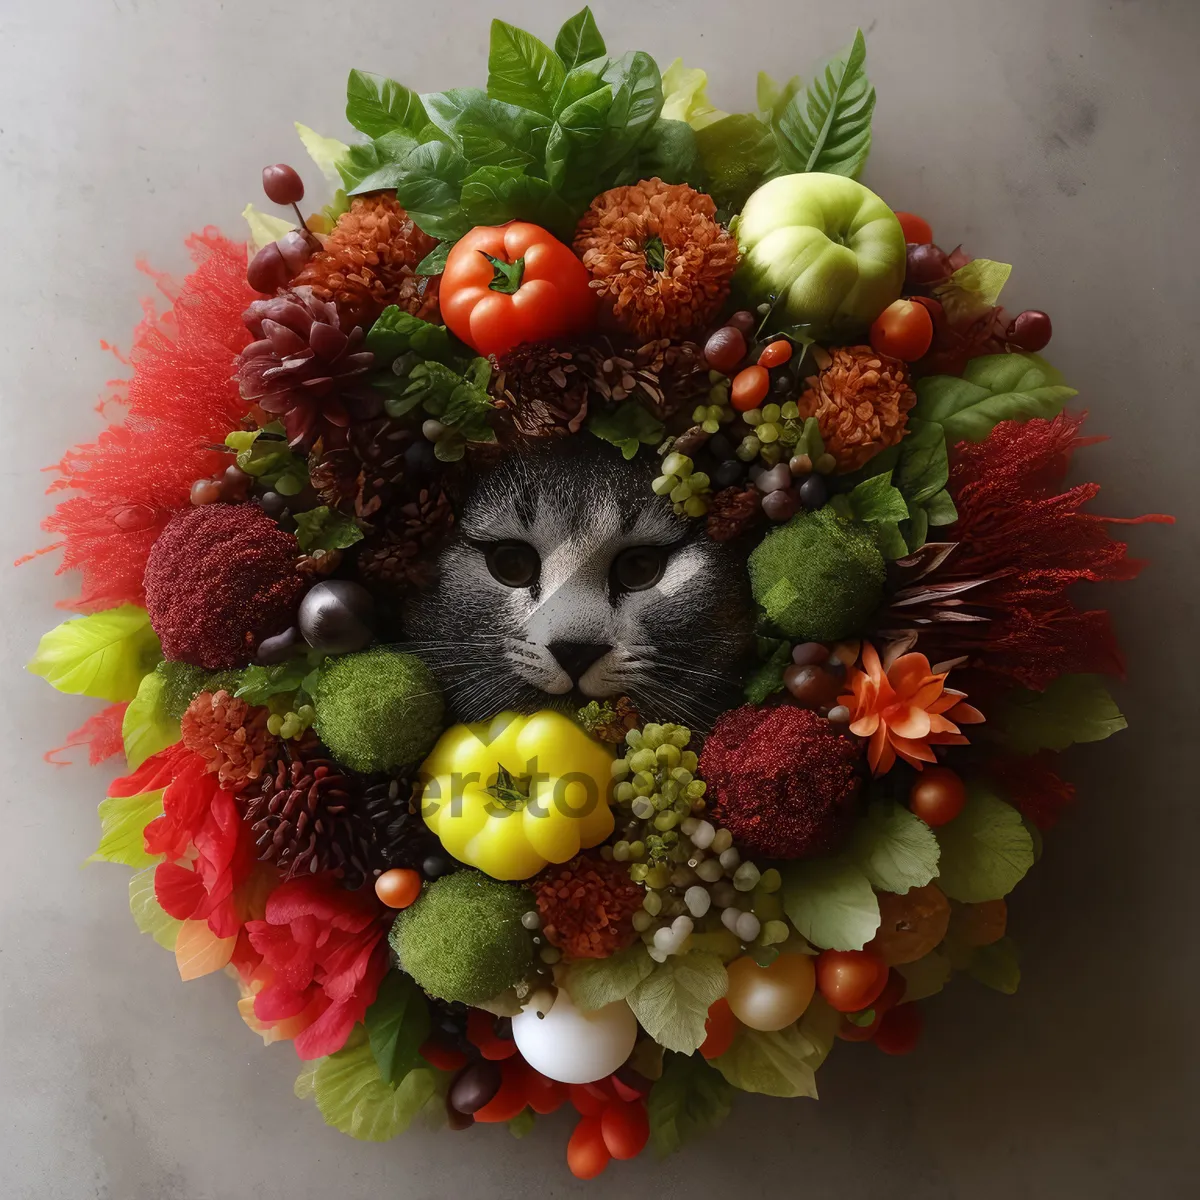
(587, 906)
(861, 402)
(904, 709)
(658, 256)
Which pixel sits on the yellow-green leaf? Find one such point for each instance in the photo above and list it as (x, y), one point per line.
(103, 655)
(326, 152)
(685, 96)
(264, 228)
(122, 819)
(147, 727)
(148, 914)
(783, 1063)
(672, 1002)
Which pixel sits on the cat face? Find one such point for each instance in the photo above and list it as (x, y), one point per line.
(569, 580)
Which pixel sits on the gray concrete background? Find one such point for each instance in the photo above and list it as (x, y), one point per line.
(1059, 136)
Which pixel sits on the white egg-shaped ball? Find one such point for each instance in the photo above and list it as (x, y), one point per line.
(573, 1046)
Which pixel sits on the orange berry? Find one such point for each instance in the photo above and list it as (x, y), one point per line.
(916, 229)
(750, 388)
(775, 354)
(937, 796)
(903, 330)
(398, 888)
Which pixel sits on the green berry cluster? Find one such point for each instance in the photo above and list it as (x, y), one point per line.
(718, 411)
(687, 488)
(291, 724)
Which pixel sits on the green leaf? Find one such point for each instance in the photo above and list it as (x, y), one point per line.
(103, 655)
(688, 1100)
(927, 976)
(628, 427)
(875, 499)
(265, 228)
(354, 1098)
(737, 152)
(148, 914)
(986, 849)
(894, 849)
(996, 966)
(397, 1023)
(324, 528)
(1074, 708)
(376, 105)
(523, 70)
(147, 727)
(773, 98)
(923, 467)
(373, 165)
(428, 183)
(828, 128)
(783, 1063)
(259, 684)
(494, 195)
(122, 820)
(672, 1002)
(489, 133)
(522, 1124)
(891, 542)
(397, 332)
(594, 982)
(685, 96)
(940, 509)
(830, 902)
(326, 153)
(579, 40)
(668, 152)
(993, 388)
(973, 289)
(265, 454)
(768, 678)
(434, 263)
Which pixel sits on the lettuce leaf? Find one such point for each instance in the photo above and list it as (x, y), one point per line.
(672, 1002)
(1074, 708)
(594, 982)
(985, 850)
(831, 903)
(148, 914)
(122, 820)
(103, 655)
(688, 1100)
(893, 848)
(147, 727)
(783, 1063)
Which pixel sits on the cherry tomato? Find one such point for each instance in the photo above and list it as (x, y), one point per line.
(398, 888)
(632, 1087)
(848, 1031)
(750, 387)
(850, 980)
(511, 1097)
(719, 1029)
(591, 1098)
(900, 1029)
(625, 1129)
(916, 229)
(903, 330)
(937, 796)
(445, 1058)
(892, 994)
(481, 1033)
(775, 354)
(506, 284)
(542, 1094)
(587, 1155)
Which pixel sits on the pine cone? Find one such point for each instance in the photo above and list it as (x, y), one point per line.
(404, 554)
(540, 391)
(666, 375)
(732, 512)
(231, 735)
(625, 717)
(368, 262)
(337, 476)
(379, 445)
(307, 817)
(304, 369)
(399, 837)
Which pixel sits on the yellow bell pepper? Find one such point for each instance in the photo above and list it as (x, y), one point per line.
(514, 793)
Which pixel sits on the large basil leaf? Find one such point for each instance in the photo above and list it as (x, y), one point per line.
(923, 467)
(668, 153)
(493, 195)
(579, 40)
(376, 165)
(523, 70)
(429, 183)
(375, 105)
(637, 102)
(828, 127)
(489, 132)
(993, 388)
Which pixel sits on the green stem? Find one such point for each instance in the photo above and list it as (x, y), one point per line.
(506, 278)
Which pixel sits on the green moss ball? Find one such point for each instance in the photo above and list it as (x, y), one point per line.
(818, 578)
(183, 682)
(463, 938)
(378, 710)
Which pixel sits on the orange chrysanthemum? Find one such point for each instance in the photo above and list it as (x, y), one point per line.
(904, 709)
(861, 402)
(658, 257)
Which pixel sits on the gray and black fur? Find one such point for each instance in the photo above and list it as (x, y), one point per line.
(677, 648)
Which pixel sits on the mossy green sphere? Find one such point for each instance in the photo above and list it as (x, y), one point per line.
(818, 578)
(378, 710)
(463, 938)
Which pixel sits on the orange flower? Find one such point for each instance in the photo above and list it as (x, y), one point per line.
(904, 710)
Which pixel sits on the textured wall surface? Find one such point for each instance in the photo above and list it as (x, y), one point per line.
(1057, 136)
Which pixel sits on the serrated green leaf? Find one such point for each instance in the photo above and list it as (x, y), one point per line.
(326, 153)
(397, 1023)
(688, 1100)
(830, 902)
(325, 528)
(523, 70)
(986, 849)
(876, 500)
(579, 40)
(973, 289)
(122, 820)
(148, 914)
(376, 105)
(996, 966)
(828, 126)
(893, 848)
(927, 976)
(594, 982)
(147, 727)
(672, 1002)
(354, 1098)
(783, 1063)
(1074, 708)
(628, 427)
(103, 655)
(993, 388)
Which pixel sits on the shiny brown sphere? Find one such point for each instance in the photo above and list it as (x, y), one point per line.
(937, 796)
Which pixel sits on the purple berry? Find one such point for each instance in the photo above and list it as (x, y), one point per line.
(282, 184)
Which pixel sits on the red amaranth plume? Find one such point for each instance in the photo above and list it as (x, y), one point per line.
(182, 400)
(1034, 786)
(100, 733)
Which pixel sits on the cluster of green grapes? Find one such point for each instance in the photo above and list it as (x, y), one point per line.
(290, 725)
(687, 488)
(718, 411)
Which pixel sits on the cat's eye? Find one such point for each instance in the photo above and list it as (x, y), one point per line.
(514, 564)
(639, 567)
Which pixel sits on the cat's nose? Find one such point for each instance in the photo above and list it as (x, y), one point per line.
(576, 657)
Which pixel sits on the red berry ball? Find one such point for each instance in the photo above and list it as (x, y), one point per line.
(282, 184)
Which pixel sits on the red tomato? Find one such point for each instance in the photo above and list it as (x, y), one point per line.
(587, 1155)
(719, 1029)
(916, 229)
(903, 330)
(625, 1129)
(937, 796)
(591, 1098)
(900, 1029)
(543, 1095)
(445, 1058)
(506, 284)
(892, 994)
(775, 354)
(481, 1033)
(630, 1091)
(851, 980)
